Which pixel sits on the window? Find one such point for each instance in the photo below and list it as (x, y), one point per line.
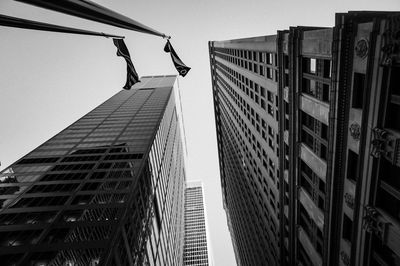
(261, 57)
(269, 73)
(306, 184)
(263, 104)
(307, 120)
(327, 68)
(309, 87)
(269, 58)
(352, 162)
(324, 152)
(286, 80)
(309, 65)
(307, 139)
(270, 96)
(347, 228)
(324, 131)
(262, 71)
(262, 91)
(306, 169)
(325, 92)
(286, 61)
(321, 186)
(313, 65)
(358, 90)
(270, 110)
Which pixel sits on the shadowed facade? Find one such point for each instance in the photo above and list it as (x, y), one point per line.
(307, 129)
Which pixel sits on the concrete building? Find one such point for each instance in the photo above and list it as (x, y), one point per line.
(196, 247)
(107, 190)
(307, 129)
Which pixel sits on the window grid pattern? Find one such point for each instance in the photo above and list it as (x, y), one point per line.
(247, 117)
(195, 248)
(64, 202)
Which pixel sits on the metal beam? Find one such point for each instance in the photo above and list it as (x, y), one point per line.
(89, 10)
(35, 25)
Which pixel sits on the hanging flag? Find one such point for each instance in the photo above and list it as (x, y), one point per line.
(179, 65)
(132, 76)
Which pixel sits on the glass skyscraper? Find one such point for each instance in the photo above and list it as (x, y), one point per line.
(196, 249)
(107, 190)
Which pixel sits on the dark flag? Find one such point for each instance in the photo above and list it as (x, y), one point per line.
(179, 65)
(132, 76)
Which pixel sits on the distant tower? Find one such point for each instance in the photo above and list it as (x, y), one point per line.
(107, 190)
(196, 250)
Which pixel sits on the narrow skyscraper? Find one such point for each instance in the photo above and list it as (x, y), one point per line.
(308, 137)
(196, 249)
(107, 190)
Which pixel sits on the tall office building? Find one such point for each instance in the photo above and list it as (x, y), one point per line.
(308, 137)
(107, 190)
(196, 249)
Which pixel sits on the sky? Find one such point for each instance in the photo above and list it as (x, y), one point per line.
(49, 80)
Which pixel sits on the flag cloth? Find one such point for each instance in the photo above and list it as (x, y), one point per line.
(179, 65)
(132, 76)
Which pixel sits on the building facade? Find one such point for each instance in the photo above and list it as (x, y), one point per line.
(107, 190)
(308, 142)
(196, 249)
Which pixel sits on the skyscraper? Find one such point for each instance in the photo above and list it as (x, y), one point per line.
(196, 248)
(307, 129)
(107, 190)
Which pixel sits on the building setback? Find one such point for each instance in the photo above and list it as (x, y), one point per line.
(309, 142)
(107, 190)
(196, 249)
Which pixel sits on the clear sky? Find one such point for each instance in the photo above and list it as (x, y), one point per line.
(49, 80)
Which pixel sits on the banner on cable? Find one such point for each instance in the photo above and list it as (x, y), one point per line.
(131, 75)
(179, 65)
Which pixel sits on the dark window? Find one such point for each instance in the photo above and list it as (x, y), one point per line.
(286, 61)
(308, 121)
(262, 91)
(37, 160)
(352, 162)
(358, 90)
(307, 139)
(309, 87)
(347, 228)
(324, 152)
(306, 184)
(327, 68)
(325, 92)
(321, 186)
(324, 131)
(286, 80)
(306, 169)
(321, 203)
